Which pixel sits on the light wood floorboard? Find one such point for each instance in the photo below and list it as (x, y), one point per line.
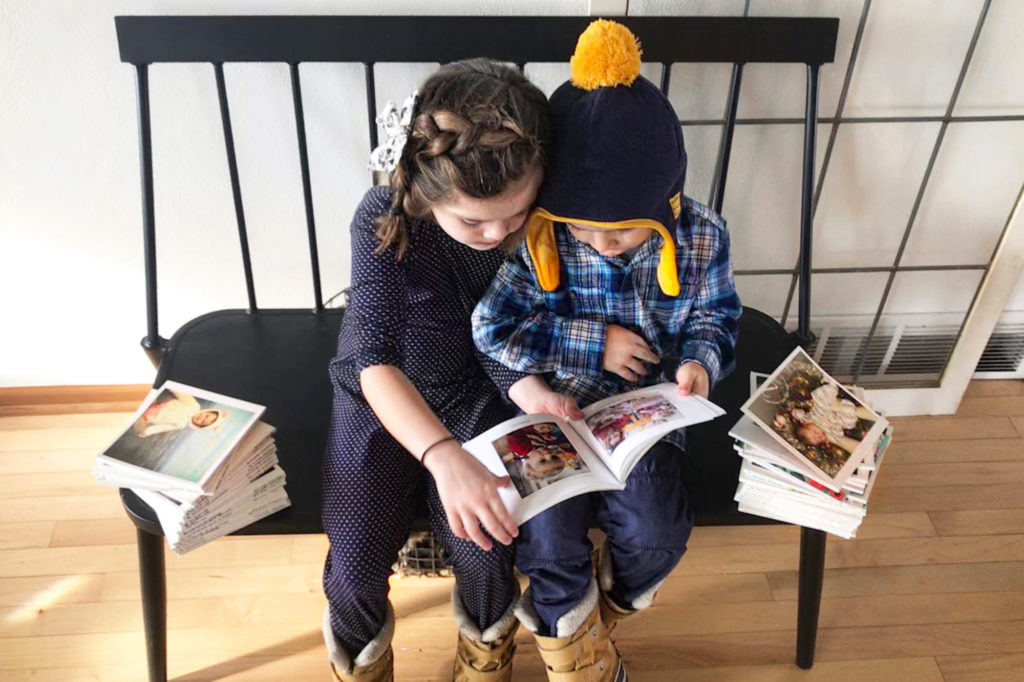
(932, 589)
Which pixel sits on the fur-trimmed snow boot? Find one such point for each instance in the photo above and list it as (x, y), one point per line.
(375, 663)
(580, 651)
(611, 613)
(484, 656)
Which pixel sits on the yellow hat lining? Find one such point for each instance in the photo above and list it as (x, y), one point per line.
(540, 242)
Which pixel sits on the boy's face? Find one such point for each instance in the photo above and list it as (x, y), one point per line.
(483, 224)
(610, 242)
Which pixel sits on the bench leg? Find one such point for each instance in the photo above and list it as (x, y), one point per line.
(154, 602)
(812, 573)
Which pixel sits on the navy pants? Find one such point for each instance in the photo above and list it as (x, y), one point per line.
(647, 525)
(368, 510)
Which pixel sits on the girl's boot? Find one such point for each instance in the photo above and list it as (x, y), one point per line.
(375, 663)
(484, 656)
(580, 651)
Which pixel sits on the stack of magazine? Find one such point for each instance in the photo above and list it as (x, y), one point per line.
(204, 462)
(811, 448)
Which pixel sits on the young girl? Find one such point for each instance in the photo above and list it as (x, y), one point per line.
(409, 384)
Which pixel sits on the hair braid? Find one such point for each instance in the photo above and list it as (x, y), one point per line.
(478, 127)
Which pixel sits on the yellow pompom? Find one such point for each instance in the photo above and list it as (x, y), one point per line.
(607, 54)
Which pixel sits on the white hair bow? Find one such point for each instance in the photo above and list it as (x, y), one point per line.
(396, 124)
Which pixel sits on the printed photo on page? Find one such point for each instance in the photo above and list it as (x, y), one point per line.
(183, 433)
(537, 455)
(621, 428)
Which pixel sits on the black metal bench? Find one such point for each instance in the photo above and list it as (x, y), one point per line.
(248, 353)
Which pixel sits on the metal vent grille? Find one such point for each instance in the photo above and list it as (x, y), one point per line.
(900, 354)
(842, 348)
(1004, 351)
(923, 351)
(910, 355)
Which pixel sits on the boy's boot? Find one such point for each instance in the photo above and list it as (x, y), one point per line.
(375, 663)
(580, 651)
(611, 613)
(484, 656)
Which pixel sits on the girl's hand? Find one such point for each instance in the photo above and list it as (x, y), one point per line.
(625, 353)
(469, 494)
(691, 377)
(533, 396)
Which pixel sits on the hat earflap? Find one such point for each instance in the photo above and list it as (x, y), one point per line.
(543, 248)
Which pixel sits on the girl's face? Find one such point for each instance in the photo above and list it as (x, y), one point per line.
(483, 224)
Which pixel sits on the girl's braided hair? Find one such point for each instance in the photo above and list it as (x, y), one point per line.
(479, 126)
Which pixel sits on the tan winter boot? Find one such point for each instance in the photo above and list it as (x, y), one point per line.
(484, 656)
(580, 651)
(611, 613)
(375, 663)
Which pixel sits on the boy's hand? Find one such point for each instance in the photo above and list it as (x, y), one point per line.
(625, 353)
(691, 377)
(533, 396)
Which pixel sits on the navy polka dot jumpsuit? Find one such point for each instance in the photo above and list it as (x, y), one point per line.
(414, 315)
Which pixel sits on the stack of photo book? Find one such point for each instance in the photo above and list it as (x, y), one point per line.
(204, 462)
(811, 448)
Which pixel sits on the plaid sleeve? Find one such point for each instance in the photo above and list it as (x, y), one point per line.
(711, 329)
(513, 325)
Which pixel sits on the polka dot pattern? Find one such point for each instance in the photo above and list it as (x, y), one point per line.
(414, 315)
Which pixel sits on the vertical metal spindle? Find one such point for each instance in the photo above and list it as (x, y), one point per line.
(666, 77)
(371, 103)
(152, 344)
(236, 190)
(725, 148)
(803, 334)
(307, 192)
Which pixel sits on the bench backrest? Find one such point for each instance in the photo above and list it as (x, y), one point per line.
(370, 40)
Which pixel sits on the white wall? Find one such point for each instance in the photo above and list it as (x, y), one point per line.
(71, 280)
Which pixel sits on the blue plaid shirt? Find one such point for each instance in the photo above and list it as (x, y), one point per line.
(562, 333)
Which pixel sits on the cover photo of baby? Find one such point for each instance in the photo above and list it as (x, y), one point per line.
(813, 415)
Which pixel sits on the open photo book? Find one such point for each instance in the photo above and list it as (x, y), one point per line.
(551, 459)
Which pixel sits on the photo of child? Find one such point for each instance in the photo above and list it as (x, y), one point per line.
(812, 414)
(180, 435)
(538, 455)
(615, 423)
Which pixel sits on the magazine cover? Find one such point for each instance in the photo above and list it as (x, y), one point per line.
(815, 419)
(182, 434)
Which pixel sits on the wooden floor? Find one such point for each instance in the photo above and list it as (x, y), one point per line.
(932, 590)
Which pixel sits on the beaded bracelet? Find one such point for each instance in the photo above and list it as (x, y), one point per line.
(433, 445)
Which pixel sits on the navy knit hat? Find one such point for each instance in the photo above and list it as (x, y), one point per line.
(616, 159)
